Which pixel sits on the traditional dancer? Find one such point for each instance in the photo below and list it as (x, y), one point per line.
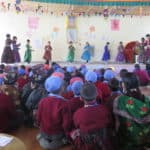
(47, 54)
(142, 50)
(147, 48)
(71, 48)
(106, 54)
(28, 55)
(7, 56)
(137, 52)
(120, 56)
(16, 50)
(86, 55)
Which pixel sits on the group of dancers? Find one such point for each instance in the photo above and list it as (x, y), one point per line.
(11, 51)
(140, 52)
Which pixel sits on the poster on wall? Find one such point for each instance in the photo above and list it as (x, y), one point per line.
(37, 44)
(55, 32)
(71, 22)
(71, 35)
(115, 24)
(71, 29)
(33, 22)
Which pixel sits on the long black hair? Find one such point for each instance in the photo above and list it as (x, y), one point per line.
(131, 83)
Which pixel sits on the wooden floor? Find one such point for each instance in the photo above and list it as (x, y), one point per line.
(28, 136)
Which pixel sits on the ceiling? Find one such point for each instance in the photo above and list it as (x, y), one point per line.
(54, 8)
(63, 7)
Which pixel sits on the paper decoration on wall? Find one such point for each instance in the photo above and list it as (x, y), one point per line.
(71, 35)
(37, 44)
(92, 28)
(54, 35)
(55, 32)
(33, 22)
(55, 29)
(115, 25)
(29, 34)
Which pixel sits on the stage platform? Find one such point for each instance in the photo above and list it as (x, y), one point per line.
(92, 65)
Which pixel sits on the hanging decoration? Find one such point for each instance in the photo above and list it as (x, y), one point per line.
(71, 28)
(114, 8)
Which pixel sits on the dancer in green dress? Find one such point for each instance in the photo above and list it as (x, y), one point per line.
(28, 55)
(70, 57)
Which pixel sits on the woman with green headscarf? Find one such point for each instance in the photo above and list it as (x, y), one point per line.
(132, 111)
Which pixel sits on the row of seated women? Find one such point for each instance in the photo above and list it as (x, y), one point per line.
(92, 110)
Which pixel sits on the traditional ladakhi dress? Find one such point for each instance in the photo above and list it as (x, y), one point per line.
(16, 51)
(120, 56)
(132, 134)
(141, 52)
(28, 56)
(47, 53)
(71, 53)
(106, 54)
(86, 55)
(7, 56)
(147, 52)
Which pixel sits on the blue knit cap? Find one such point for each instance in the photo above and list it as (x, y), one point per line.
(109, 74)
(21, 71)
(91, 76)
(70, 69)
(76, 87)
(53, 84)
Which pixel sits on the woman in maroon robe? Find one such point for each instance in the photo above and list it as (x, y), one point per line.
(47, 53)
(7, 56)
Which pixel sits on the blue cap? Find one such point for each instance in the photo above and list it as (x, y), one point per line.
(70, 69)
(109, 74)
(91, 76)
(53, 84)
(76, 87)
(21, 71)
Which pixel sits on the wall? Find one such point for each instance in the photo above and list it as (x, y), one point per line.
(17, 24)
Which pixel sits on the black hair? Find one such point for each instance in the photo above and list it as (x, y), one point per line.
(123, 72)
(113, 84)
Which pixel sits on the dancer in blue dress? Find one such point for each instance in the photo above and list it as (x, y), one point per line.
(86, 55)
(106, 54)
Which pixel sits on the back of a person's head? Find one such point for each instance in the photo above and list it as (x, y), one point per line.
(130, 81)
(88, 92)
(137, 66)
(10, 78)
(2, 66)
(91, 76)
(123, 72)
(54, 84)
(114, 84)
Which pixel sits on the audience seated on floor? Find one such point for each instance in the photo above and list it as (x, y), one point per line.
(58, 101)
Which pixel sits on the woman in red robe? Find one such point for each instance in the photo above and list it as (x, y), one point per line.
(47, 53)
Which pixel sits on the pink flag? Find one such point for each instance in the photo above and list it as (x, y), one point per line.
(115, 25)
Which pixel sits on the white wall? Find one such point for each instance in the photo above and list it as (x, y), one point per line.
(17, 24)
